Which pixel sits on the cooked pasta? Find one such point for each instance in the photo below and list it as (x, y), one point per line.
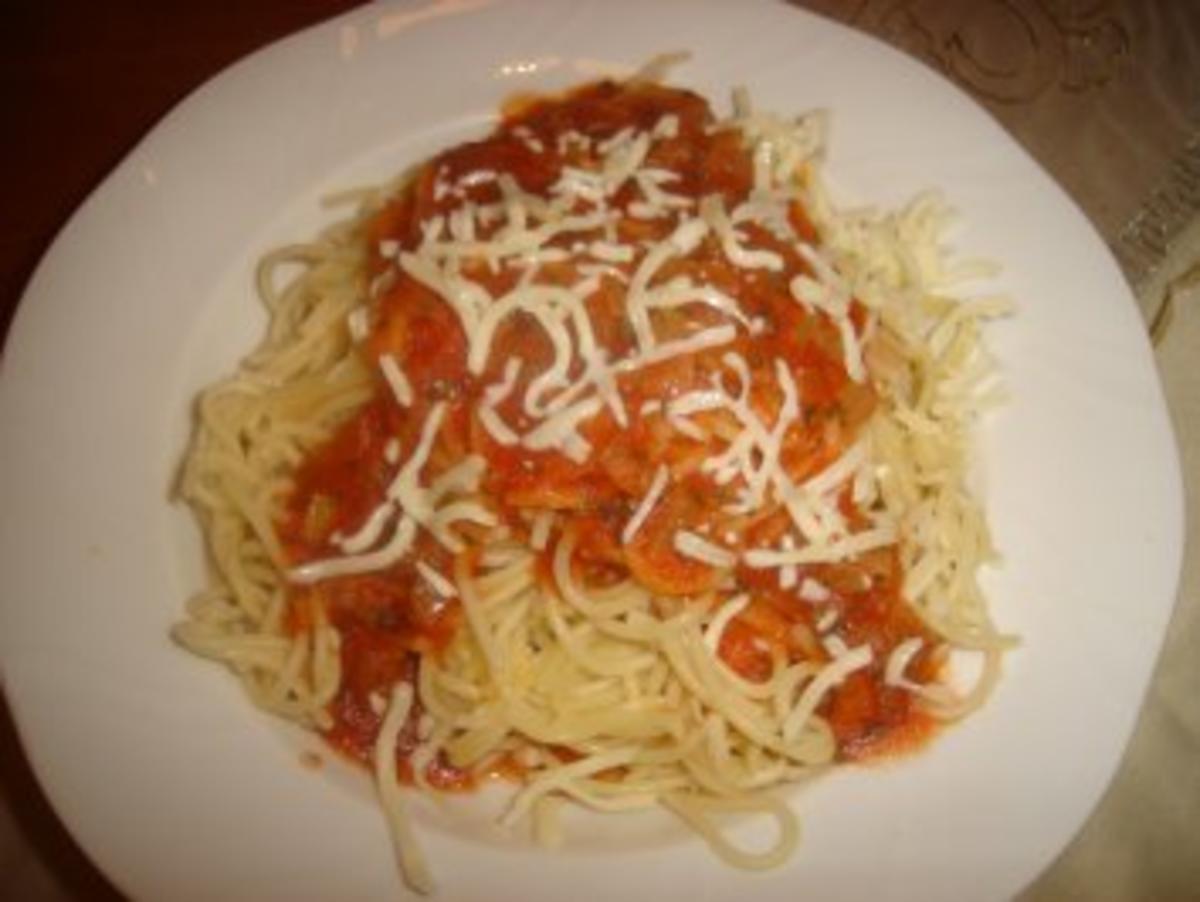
(606, 455)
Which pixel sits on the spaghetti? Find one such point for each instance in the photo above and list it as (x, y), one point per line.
(607, 455)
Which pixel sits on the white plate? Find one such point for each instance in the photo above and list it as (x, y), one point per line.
(179, 789)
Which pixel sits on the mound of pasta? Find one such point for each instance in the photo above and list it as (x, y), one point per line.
(605, 455)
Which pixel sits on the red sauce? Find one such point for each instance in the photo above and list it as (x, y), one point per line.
(388, 619)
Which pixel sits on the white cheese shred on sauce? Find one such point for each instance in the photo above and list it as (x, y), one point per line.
(646, 505)
(539, 532)
(404, 493)
(439, 583)
(814, 591)
(689, 544)
(396, 380)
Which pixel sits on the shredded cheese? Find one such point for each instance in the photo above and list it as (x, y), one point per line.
(437, 582)
(698, 548)
(559, 431)
(539, 534)
(493, 395)
(848, 547)
(813, 591)
(396, 380)
(416, 505)
(644, 507)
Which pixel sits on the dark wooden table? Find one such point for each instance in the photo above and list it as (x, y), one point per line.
(80, 83)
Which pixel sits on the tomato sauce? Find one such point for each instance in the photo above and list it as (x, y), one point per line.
(388, 619)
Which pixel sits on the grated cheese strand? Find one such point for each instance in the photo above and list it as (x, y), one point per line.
(646, 505)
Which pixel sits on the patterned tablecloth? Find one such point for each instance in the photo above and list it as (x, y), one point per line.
(1106, 95)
